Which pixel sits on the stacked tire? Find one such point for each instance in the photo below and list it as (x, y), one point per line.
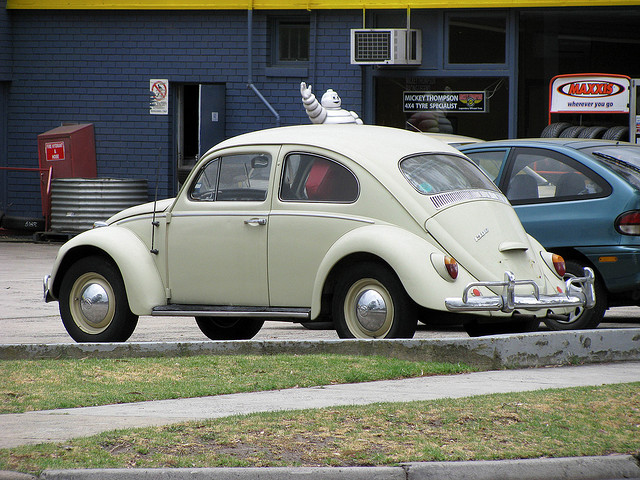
(566, 130)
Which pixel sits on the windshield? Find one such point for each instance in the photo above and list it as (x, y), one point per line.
(435, 173)
(623, 159)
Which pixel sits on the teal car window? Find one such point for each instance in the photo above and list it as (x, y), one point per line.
(542, 175)
(623, 159)
(490, 161)
(430, 174)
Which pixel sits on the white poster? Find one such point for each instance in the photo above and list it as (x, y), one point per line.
(589, 93)
(159, 101)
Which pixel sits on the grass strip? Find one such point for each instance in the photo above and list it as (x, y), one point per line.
(52, 384)
(553, 423)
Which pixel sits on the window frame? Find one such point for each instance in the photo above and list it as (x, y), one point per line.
(509, 31)
(306, 176)
(276, 26)
(219, 161)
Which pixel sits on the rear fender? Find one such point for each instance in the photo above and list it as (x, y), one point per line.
(409, 255)
(142, 280)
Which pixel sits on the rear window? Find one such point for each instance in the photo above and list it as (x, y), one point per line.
(623, 159)
(436, 173)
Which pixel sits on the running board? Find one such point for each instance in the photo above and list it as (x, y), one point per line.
(177, 310)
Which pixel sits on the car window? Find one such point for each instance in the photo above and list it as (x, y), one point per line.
(623, 159)
(489, 161)
(435, 173)
(239, 178)
(311, 178)
(540, 175)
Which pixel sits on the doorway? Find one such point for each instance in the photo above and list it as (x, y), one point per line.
(200, 123)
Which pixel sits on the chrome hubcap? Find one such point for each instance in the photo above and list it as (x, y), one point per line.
(371, 310)
(94, 303)
(368, 309)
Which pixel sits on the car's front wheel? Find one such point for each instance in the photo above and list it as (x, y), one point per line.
(370, 302)
(219, 328)
(581, 318)
(93, 302)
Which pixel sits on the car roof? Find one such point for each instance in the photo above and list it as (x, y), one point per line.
(575, 143)
(368, 144)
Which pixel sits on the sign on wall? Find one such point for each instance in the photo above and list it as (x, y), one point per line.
(589, 93)
(54, 151)
(159, 102)
(455, 102)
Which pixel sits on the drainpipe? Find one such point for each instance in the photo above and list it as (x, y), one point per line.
(250, 62)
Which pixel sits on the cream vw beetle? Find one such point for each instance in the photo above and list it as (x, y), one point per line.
(373, 227)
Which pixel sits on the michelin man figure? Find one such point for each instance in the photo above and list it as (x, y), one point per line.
(328, 110)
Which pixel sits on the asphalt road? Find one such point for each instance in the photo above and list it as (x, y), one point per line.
(26, 319)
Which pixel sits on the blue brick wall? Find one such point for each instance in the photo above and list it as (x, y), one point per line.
(95, 66)
(5, 43)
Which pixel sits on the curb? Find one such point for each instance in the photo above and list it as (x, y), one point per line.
(493, 352)
(580, 468)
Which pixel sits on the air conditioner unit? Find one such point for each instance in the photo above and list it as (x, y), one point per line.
(390, 46)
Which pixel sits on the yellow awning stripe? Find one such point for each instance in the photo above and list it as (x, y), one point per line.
(300, 4)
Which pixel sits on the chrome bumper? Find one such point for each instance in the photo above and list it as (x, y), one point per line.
(45, 286)
(579, 292)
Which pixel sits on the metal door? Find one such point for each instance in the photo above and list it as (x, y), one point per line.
(212, 116)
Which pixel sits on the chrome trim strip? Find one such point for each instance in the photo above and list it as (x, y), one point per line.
(145, 216)
(209, 213)
(252, 213)
(321, 215)
(233, 312)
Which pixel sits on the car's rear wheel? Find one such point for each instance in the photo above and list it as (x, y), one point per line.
(370, 302)
(219, 328)
(93, 302)
(581, 318)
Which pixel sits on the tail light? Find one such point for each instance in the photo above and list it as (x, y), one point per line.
(555, 262)
(446, 266)
(628, 223)
(452, 266)
(558, 264)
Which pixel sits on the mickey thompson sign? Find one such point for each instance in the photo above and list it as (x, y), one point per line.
(444, 102)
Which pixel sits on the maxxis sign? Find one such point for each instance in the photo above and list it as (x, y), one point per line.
(589, 93)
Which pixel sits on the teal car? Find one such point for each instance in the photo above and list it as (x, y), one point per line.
(580, 198)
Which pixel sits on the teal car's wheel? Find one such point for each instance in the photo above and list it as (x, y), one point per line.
(93, 302)
(370, 302)
(581, 318)
(217, 328)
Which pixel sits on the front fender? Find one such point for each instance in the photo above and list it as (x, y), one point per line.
(408, 254)
(142, 280)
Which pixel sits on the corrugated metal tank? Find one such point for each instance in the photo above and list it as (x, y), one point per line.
(76, 203)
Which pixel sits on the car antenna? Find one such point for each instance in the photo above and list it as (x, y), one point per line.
(154, 222)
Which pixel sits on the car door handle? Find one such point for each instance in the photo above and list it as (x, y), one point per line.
(256, 221)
